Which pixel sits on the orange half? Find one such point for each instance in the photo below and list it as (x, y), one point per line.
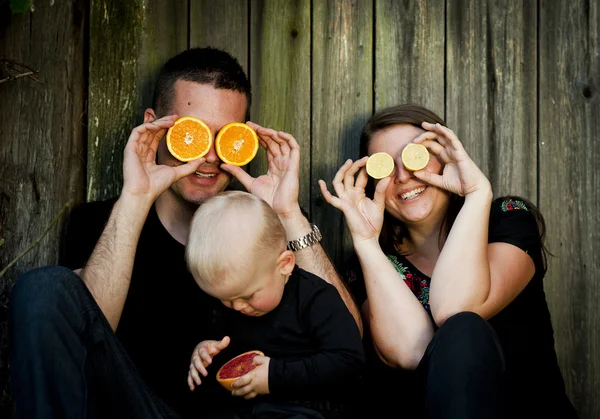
(189, 139)
(236, 144)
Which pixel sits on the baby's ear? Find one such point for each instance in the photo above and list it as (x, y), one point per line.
(287, 261)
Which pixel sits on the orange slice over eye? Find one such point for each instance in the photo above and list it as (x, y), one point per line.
(189, 139)
(415, 156)
(236, 144)
(380, 165)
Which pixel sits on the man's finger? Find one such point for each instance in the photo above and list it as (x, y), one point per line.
(188, 168)
(240, 174)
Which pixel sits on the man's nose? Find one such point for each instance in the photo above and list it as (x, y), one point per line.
(212, 156)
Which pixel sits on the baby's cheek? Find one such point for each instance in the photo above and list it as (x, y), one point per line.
(265, 304)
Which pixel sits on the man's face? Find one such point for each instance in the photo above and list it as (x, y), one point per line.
(217, 108)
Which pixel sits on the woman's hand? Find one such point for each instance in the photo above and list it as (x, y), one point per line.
(364, 216)
(460, 175)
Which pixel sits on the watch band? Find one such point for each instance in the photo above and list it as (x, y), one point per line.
(308, 240)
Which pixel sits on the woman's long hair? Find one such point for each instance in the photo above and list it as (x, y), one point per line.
(394, 231)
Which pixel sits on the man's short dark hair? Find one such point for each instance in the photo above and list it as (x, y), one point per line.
(206, 65)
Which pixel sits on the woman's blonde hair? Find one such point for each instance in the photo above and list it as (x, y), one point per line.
(232, 230)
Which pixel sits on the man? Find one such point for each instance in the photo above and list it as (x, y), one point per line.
(66, 360)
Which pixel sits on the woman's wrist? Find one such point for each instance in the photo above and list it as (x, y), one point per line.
(366, 245)
(481, 194)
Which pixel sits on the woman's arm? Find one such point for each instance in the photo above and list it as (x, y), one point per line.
(470, 274)
(461, 277)
(400, 327)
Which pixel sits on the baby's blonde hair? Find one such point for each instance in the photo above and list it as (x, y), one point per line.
(232, 230)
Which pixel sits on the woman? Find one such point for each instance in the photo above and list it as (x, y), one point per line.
(429, 246)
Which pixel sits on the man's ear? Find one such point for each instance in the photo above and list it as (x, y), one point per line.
(149, 115)
(286, 262)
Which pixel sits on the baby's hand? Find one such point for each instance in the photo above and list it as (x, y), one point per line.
(202, 357)
(255, 382)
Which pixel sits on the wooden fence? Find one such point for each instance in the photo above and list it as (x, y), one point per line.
(518, 80)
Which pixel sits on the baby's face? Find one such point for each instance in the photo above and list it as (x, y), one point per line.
(252, 292)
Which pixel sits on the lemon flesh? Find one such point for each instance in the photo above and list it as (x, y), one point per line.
(380, 165)
(415, 156)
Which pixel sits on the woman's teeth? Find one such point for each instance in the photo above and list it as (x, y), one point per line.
(205, 175)
(412, 194)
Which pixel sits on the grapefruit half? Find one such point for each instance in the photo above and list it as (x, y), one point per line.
(237, 367)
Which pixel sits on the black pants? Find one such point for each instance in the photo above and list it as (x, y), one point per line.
(461, 373)
(459, 377)
(66, 362)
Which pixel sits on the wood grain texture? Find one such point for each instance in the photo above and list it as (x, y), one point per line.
(221, 24)
(491, 89)
(280, 63)
(409, 53)
(42, 128)
(569, 185)
(342, 101)
(129, 42)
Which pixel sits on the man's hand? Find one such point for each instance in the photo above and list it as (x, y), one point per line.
(255, 382)
(142, 177)
(279, 187)
(202, 358)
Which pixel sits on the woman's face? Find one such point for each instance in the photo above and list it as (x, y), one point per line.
(409, 199)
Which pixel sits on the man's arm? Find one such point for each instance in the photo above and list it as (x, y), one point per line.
(107, 273)
(279, 187)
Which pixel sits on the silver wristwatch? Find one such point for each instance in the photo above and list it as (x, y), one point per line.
(303, 242)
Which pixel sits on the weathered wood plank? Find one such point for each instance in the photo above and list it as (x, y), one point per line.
(569, 185)
(491, 92)
(409, 53)
(129, 42)
(221, 24)
(280, 63)
(42, 130)
(342, 101)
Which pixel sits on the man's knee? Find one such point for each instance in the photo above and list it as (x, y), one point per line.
(39, 292)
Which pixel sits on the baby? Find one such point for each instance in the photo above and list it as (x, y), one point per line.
(237, 252)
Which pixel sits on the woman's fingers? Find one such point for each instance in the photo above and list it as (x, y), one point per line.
(379, 195)
(362, 179)
(433, 146)
(338, 179)
(430, 178)
(331, 200)
(432, 136)
(351, 172)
